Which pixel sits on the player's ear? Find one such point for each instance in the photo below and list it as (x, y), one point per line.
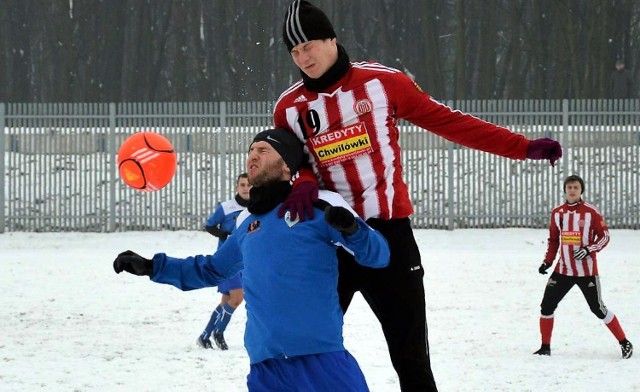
(286, 171)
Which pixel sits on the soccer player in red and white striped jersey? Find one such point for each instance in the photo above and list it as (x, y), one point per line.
(578, 232)
(346, 114)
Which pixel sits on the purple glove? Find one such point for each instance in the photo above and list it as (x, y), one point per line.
(300, 201)
(545, 148)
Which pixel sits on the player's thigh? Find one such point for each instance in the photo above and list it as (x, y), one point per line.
(557, 287)
(350, 275)
(590, 287)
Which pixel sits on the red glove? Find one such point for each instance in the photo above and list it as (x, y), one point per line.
(300, 201)
(545, 148)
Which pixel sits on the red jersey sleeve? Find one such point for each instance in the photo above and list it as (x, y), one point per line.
(600, 234)
(417, 107)
(553, 242)
(305, 174)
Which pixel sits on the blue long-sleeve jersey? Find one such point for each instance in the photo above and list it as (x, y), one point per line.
(290, 278)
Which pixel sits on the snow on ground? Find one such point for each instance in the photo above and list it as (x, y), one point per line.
(69, 323)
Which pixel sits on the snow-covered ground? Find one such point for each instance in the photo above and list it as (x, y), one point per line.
(69, 323)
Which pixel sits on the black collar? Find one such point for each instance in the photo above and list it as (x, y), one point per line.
(241, 201)
(265, 198)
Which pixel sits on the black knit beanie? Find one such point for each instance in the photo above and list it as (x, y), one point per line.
(285, 143)
(305, 22)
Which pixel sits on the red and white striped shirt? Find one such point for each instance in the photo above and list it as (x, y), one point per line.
(574, 226)
(351, 136)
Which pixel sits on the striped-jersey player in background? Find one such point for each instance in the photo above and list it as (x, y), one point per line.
(578, 232)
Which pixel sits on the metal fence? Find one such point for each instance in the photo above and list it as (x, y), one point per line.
(59, 171)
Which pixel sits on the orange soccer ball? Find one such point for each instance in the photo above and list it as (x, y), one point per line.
(146, 161)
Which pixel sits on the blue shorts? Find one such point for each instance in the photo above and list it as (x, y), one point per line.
(231, 284)
(335, 371)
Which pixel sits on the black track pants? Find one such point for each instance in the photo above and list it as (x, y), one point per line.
(396, 296)
(559, 285)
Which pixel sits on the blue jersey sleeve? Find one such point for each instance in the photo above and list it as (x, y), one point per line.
(367, 245)
(216, 218)
(200, 271)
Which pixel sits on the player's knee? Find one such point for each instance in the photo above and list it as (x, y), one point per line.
(236, 298)
(600, 313)
(547, 309)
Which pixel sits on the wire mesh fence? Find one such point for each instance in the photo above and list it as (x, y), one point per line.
(58, 162)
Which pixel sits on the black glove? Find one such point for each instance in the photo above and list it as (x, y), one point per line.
(543, 268)
(341, 219)
(581, 253)
(133, 263)
(217, 232)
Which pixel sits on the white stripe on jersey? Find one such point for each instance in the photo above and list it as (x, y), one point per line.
(346, 102)
(374, 67)
(585, 240)
(364, 163)
(575, 226)
(289, 90)
(565, 224)
(339, 178)
(367, 176)
(375, 90)
(586, 229)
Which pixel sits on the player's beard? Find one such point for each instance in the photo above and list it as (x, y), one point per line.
(273, 172)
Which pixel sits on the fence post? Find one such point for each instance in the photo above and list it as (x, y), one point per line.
(450, 182)
(111, 150)
(222, 192)
(2, 176)
(565, 136)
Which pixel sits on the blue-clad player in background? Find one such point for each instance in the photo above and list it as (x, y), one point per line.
(220, 224)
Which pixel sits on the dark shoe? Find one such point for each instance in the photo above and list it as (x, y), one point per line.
(545, 349)
(627, 349)
(218, 337)
(204, 342)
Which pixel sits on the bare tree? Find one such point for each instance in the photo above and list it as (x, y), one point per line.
(197, 50)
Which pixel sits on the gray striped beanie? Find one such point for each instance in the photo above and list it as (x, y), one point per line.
(305, 22)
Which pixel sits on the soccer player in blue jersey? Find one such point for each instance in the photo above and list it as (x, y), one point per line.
(290, 273)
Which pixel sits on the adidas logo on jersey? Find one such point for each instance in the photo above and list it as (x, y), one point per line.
(301, 98)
